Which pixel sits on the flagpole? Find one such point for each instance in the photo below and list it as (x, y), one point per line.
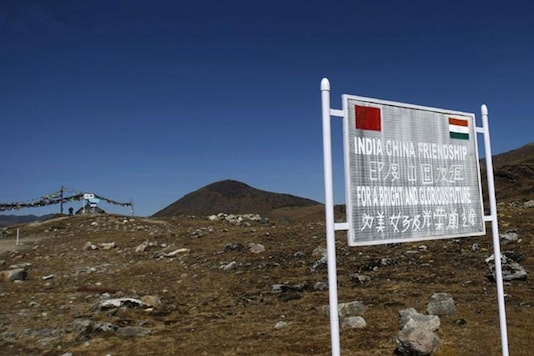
(61, 208)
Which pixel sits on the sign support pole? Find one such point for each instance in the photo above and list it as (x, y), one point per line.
(495, 230)
(329, 216)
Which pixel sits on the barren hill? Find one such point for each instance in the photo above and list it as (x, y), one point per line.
(230, 196)
(514, 174)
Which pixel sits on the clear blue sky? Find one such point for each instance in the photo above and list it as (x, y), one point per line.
(150, 100)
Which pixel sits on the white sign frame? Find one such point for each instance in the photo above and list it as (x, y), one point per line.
(331, 226)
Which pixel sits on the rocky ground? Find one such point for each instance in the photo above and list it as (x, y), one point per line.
(117, 285)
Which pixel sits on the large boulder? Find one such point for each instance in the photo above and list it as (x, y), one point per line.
(15, 274)
(511, 269)
(417, 342)
(441, 304)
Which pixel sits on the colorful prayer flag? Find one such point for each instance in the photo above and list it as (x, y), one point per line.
(459, 128)
(368, 118)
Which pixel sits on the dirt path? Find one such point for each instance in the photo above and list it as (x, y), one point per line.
(10, 244)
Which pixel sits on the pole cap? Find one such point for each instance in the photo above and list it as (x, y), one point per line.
(325, 84)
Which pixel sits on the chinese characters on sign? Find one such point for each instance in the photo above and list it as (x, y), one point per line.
(412, 173)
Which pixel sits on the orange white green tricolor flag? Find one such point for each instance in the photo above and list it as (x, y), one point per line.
(459, 128)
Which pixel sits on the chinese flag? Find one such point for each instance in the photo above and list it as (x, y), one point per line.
(368, 118)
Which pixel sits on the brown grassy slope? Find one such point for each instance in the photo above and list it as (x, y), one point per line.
(210, 311)
(514, 175)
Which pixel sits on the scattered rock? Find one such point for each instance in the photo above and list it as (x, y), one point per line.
(529, 204)
(229, 266)
(355, 308)
(321, 263)
(410, 318)
(85, 327)
(358, 279)
(320, 286)
(511, 270)
(383, 262)
(107, 245)
(233, 247)
(21, 265)
(299, 254)
(283, 288)
(151, 300)
(256, 248)
(353, 322)
(508, 237)
(514, 256)
(441, 304)
(239, 219)
(180, 251)
(121, 303)
(281, 324)
(89, 246)
(142, 247)
(17, 274)
(320, 252)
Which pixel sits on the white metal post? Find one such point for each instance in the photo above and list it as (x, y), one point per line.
(329, 216)
(495, 230)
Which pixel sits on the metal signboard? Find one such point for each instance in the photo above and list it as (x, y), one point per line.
(411, 172)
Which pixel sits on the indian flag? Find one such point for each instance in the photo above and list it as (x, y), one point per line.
(459, 128)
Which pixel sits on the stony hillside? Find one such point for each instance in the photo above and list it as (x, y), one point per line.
(107, 284)
(230, 196)
(514, 175)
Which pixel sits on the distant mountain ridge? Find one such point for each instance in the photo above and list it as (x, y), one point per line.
(230, 196)
(8, 220)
